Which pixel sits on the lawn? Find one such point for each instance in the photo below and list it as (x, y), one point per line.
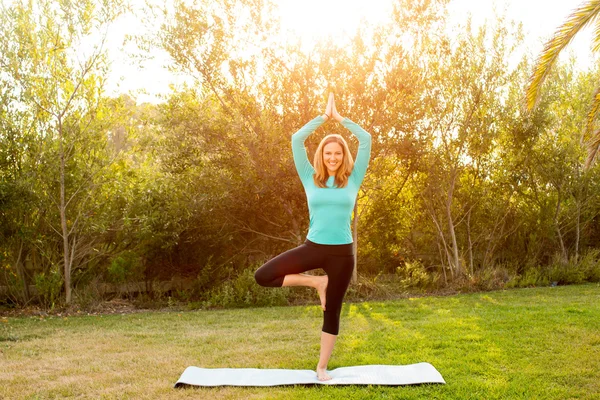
(540, 343)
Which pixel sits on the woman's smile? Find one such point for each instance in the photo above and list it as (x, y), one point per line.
(333, 155)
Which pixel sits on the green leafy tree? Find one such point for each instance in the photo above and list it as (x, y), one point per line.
(57, 64)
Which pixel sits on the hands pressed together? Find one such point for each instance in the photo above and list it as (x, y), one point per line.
(331, 111)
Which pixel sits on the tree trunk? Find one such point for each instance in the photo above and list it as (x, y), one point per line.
(21, 272)
(493, 240)
(442, 261)
(354, 241)
(563, 250)
(451, 230)
(577, 230)
(438, 226)
(580, 201)
(63, 216)
(470, 242)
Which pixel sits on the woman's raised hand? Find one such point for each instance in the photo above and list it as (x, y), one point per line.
(331, 111)
(329, 107)
(334, 112)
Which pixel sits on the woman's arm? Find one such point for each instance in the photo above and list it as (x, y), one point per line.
(364, 150)
(303, 166)
(364, 145)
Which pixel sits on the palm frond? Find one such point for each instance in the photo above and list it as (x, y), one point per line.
(596, 36)
(593, 146)
(593, 137)
(578, 20)
(593, 112)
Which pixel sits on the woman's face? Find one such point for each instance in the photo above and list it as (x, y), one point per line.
(333, 155)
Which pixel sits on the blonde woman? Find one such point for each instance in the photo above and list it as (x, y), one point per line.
(331, 184)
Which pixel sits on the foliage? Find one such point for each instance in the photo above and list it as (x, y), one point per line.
(48, 285)
(126, 267)
(415, 275)
(242, 291)
(465, 189)
(586, 14)
(52, 75)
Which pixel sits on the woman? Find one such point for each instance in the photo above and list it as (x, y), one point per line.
(331, 187)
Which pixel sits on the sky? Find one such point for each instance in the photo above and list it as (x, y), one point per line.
(314, 19)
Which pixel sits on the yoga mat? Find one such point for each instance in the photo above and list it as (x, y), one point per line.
(360, 375)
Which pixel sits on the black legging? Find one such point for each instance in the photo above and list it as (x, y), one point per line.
(336, 260)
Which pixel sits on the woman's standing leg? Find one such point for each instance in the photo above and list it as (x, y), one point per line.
(327, 343)
(339, 270)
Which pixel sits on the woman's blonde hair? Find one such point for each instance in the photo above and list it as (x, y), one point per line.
(343, 172)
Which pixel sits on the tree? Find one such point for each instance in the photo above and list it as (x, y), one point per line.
(56, 61)
(467, 81)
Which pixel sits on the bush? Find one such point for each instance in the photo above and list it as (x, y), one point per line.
(563, 273)
(14, 285)
(49, 286)
(590, 266)
(204, 280)
(88, 296)
(489, 278)
(532, 277)
(124, 268)
(381, 286)
(243, 291)
(585, 269)
(415, 275)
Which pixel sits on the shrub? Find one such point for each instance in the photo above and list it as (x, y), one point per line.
(490, 278)
(590, 266)
(415, 275)
(49, 287)
(561, 272)
(204, 280)
(564, 273)
(532, 277)
(14, 286)
(243, 291)
(126, 267)
(585, 269)
(88, 296)
(382, 286)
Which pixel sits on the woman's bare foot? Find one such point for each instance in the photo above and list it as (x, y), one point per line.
(322, 374)
(322, 289)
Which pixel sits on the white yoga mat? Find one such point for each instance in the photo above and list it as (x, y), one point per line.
(361, 375)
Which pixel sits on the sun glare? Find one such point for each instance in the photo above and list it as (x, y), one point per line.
(314, 20)
(311, 21)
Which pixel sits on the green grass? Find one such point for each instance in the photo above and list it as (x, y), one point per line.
(541, 343)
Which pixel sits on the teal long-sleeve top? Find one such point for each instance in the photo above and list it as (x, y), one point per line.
(330, 208)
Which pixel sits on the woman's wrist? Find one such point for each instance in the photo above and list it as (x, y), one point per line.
(326, 116)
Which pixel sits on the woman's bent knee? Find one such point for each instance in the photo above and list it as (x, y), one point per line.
(259, 278)
(263, 278)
